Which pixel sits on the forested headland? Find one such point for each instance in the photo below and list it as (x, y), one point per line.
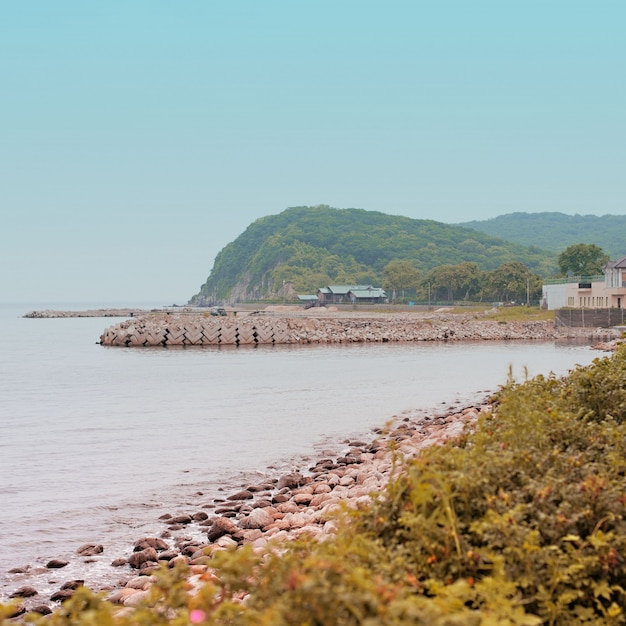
(304, 248)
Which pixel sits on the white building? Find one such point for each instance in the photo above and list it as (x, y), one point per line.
(606, 291)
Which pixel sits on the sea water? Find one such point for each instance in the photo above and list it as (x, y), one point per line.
(97, 442)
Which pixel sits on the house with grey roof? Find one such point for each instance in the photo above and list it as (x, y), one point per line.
(350, 294)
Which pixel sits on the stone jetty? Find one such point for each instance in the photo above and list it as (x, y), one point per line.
(170, 329)
(52, 313)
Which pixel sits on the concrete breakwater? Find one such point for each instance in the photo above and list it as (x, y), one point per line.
(205, 330)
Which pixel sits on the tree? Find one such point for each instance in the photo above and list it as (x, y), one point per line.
(582, 259)
(454, 282)
(510, 282)
(399, 275)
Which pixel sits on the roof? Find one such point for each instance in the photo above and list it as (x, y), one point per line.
(307, 297)
(619, 264)
(339, 289)
(370, 292)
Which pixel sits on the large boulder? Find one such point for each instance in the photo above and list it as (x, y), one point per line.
(220, 527)
(138, 559)
(258, 518)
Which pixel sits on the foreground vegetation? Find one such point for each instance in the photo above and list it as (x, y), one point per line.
(521, 522)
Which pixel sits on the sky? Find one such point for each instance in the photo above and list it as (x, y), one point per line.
(138, 138)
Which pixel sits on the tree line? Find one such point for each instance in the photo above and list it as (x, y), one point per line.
(512, 281)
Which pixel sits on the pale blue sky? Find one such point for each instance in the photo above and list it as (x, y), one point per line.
(140, 137)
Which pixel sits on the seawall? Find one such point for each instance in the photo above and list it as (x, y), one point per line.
(159, 329)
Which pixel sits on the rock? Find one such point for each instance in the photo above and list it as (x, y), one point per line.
(136, 598)
(140, 583)
(42, 609)
(242, 495)
(90, 549)
(290, 480)
(221, 526)
(24, 592)
(150, 542)
(119, 562)
(138, 559)
(181, 519)
(302, 498)
(167, 555)
(258, 518)
(56, 564)
(62, 595)
(200, 516)
(73, 584)
(226, 542)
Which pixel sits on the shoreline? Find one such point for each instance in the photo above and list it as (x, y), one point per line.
(281, 507)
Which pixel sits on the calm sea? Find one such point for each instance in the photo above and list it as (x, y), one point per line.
(96, 443)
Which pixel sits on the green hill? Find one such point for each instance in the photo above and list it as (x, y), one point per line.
(556, 231)
(310, 247)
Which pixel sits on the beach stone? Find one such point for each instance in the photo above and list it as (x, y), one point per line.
(302, 498)
(140, 582)
(322, 488)
(150, 542)
(226, 542)
(42, 609)
(262, 504)
(287, 507)
(319, 499)
(221, 526)
(178, 559)
(19, 570)
(90, 549)
(258, 518)
(181, 519)
(136, 598)
(119, 562)
(257, 488)
(290, 480)
(56, 564)
(73, 584)
(62, 595)
(138, 559)
(252, 535)
(242, 495)
(200, 516)
(24, 592)
(167, 555)
(119, 595)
